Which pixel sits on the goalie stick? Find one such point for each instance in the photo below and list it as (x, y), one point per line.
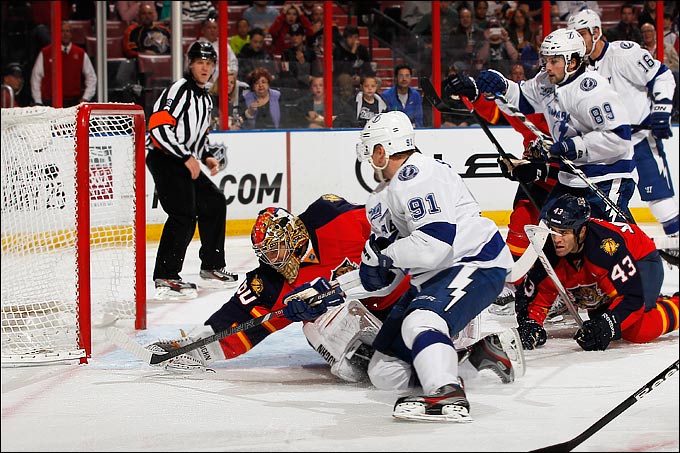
(433, 98)
(123, 341)
(611, 415)
(537, 236)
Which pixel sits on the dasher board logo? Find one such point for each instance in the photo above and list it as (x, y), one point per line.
(101, 174)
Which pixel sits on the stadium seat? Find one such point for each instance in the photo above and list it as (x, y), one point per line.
(114, 47)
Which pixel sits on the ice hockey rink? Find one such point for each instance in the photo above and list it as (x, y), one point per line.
(281, 396)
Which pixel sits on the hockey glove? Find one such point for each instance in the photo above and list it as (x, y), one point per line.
(461, 85)
(531, 333)
(660, 119)
(374, 271)
(565, 148)
(531, 172)
(492, 82)
(596, 333)
(298, 307)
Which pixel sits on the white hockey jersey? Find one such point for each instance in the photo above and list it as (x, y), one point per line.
(587, 109)
(635, 75)
(435, 219)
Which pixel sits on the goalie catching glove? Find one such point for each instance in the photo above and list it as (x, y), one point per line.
(300, 308)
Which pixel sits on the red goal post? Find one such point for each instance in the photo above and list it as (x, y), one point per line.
(73, 227)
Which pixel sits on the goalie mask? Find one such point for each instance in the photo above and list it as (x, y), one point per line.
(586, 19)
(393, 130)
(279, 239)
(567, 44)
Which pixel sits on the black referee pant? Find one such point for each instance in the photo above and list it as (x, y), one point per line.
(186, 201)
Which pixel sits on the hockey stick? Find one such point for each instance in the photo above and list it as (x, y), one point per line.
(611, 415)
(537, 236)
(546, 141)
(123, 341)
(433, 98)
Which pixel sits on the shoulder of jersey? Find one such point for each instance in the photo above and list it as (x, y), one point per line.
(591, 80)
(618, 46)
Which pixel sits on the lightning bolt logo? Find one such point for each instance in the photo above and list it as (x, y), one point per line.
(458, 285)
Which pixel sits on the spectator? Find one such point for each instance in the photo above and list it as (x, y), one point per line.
(465, 42)
(481, 19)
(368, 103)
(163, 10)
(310, 110)
(129, 11)
(351, 57)
(236, 101)
(13, 79)
(241, 38)
(625, 30)
(263, 110)
(519, 30)
(210, 33)
(648, 14)
(456, 119)
(517, 72)
(670, 38)
(298, 62)
(198, 11)
(316, 40)
(670, 56)
(497, 52)
(403, 97)
(307, 9)
(260, 15)
(146, 37)
(533, 9)
(253, 55)
(79, 80)
(280, 28)
(343, 102)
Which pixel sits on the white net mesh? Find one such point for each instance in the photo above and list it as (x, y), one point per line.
(40, 295)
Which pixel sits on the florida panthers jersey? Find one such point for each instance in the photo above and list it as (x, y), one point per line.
(604, 276)
(637, 77)
(338, 231)
(435, 220)
(585, 106)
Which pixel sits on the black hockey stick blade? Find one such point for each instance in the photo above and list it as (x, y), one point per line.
(598, 425)
(431, 96)
(669, 257)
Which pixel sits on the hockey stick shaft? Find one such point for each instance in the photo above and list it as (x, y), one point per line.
(119, 338)
(431, 96)
(611, 415)
(535, 233)
(546, 140)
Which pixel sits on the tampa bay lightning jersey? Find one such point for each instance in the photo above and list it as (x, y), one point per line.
(585, 106)
(637, 77)
(435, 220)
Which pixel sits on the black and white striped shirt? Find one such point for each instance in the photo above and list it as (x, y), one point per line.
(180, 121)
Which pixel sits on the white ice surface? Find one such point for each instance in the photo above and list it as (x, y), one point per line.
(281, 397)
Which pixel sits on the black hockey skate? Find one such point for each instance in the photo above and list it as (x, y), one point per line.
(488, 354)
(448, 403)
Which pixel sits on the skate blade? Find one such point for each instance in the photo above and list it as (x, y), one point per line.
(451, 414)
(170, 294)
(216, 284)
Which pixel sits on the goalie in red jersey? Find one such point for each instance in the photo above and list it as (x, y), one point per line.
(612, 270)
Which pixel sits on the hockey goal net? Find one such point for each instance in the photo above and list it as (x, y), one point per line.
(73, 227)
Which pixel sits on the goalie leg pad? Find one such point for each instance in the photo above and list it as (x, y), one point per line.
(344, 336)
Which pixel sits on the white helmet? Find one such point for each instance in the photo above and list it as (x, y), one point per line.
(566, 43)
(393, 130)
(589, 20)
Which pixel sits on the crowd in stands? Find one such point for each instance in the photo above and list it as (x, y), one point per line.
(276, 52)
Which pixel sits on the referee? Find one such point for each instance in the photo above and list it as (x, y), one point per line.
(177, 140)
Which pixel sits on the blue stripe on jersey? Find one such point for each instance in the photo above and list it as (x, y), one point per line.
(490, 250)
(445, 232)
(622, 166)
(524, 105)
(428, 338)
(650, 85)
(623, 131)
